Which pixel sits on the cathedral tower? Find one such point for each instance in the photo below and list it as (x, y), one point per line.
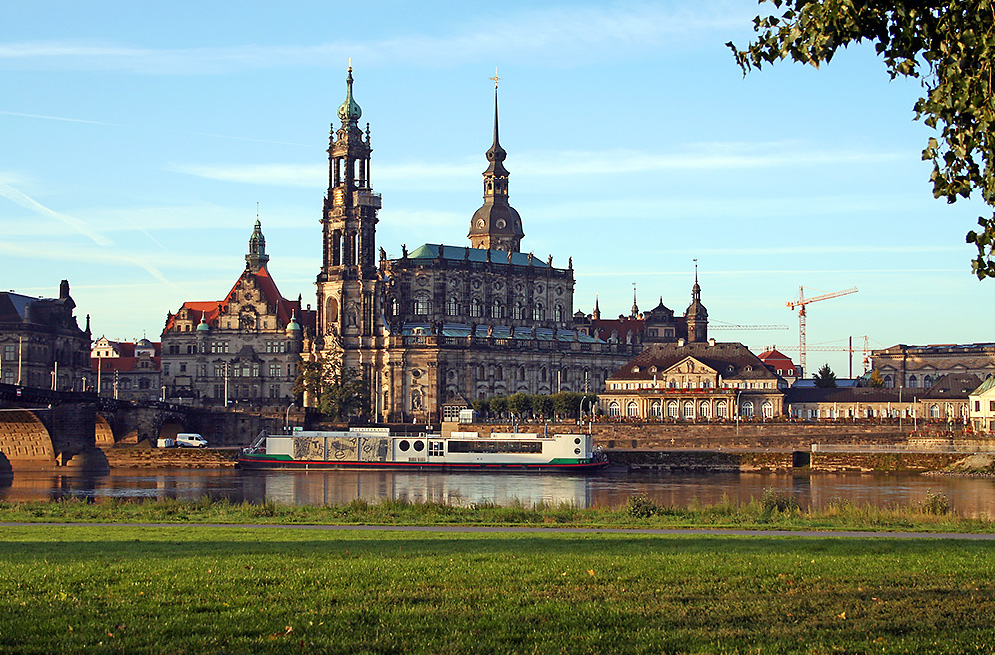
(496, 225)
(347, 299)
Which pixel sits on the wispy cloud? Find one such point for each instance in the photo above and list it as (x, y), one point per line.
(568, 35)
(29, 203)
(564, 163)
(50, 252)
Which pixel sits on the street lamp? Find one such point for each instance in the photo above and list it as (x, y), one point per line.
(286, 418)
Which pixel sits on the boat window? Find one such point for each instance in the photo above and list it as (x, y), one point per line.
(419, 446)
(403, 445)
(494, 446)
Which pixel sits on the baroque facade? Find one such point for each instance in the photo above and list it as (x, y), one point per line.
(694, 381)
(243, 349)
(918, 367)
(41, 345)
(444, 325)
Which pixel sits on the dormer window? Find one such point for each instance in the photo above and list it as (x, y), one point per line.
(635, 369)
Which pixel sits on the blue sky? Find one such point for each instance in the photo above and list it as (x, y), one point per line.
(138, 139)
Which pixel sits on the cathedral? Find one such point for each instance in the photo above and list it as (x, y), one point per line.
(444, 325)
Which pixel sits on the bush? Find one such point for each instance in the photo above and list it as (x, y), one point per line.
(937, 504)
(640, 507)
(778, 501)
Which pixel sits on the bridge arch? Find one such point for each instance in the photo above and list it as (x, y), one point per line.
(23, 437)
(103, 432)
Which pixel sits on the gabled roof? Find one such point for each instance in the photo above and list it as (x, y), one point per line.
(430, 251)
(732, 361)
(956, 386)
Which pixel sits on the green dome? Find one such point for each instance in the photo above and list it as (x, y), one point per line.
(293, 326)
(203, 326)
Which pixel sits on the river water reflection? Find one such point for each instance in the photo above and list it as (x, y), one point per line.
(973, 497)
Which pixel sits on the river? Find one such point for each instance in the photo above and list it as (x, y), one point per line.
(973, 497)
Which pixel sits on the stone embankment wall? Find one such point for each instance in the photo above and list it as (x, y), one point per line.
(883, 462)
(143, 456)
(752, 436)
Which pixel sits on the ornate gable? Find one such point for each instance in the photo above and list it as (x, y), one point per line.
(690, 366)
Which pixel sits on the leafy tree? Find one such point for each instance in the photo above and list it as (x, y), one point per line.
(520, 404)
(875, 380)
(825, 378)
(543, 405)
(482, 407)
(498, 405)
(947, 44)
(338, 393)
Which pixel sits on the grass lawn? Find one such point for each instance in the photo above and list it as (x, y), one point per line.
(191, 589)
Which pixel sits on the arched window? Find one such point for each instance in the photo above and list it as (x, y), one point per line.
(542, 374)
(704, 409)
(497, 309)
(476, 308)
(927, 382)
(913, 383)
(768, 409)
(934, 411)
(671, 383)
(672, 409)
(614, 410)
(688, 410)
(656, 410)
(558, 313)
(538, 312)
(632, 410)
(452, 307)
(518, 311)
(521, 372)
(889, 382)
(395, 307)
(499, 372)
(721, 410)
(423, 306)
(746, 409)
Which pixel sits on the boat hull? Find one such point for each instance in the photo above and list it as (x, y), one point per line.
(262, 462)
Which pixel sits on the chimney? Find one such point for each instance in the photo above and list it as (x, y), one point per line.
(711, 342)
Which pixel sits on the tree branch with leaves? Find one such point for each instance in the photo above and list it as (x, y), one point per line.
(947, 44)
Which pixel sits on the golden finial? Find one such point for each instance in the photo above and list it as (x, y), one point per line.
(350, 64)
(495, 79)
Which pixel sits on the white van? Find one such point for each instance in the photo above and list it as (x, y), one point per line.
(190, 440)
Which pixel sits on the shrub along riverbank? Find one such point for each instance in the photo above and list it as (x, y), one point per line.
(199, 589)
(773, 510)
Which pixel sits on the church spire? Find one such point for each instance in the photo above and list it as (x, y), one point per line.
(496, 225)
(635, 307)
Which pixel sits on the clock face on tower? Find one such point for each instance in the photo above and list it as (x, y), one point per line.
(501, 223)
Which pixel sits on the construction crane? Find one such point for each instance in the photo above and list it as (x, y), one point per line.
(801, 303)
(838, 349)
(733, 326)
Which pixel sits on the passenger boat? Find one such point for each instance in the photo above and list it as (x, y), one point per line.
(377, 448)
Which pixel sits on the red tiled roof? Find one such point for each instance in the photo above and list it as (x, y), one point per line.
(603, 328)
(210, 310)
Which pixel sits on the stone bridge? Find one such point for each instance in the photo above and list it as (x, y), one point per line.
(39, 427)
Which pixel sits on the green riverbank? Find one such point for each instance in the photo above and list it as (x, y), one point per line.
(771, 511)
(176, 589)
